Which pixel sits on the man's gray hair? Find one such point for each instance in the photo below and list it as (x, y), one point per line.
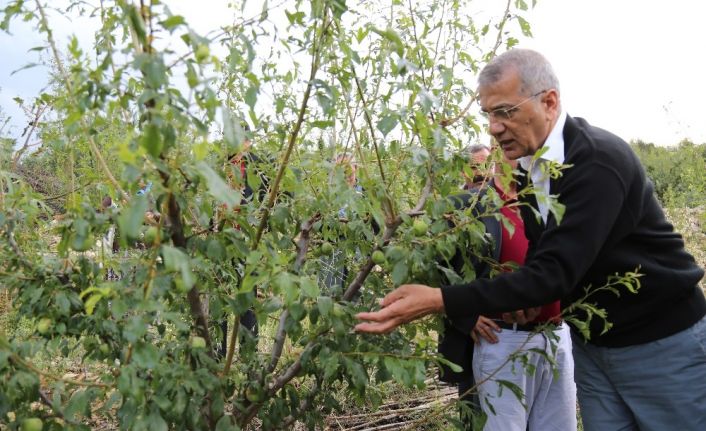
(536, 73)
(476, 148)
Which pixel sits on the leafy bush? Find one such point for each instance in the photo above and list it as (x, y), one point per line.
(385, 84)
(678, 173)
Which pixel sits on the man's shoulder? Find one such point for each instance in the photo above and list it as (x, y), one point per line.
(588, 144)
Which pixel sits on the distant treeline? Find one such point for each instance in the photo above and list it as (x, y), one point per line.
(678, 172)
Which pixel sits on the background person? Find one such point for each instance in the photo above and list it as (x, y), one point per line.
(478, 155)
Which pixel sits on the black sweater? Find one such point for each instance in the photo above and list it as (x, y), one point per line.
(612, 224)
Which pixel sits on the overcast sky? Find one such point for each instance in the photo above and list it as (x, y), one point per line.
(634, 67)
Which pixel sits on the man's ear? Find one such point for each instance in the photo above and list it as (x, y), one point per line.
(550, 99)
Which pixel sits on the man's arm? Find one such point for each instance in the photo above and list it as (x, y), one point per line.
(404, 304)
(593, 196)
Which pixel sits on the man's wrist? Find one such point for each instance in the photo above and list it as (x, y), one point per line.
(438, 302)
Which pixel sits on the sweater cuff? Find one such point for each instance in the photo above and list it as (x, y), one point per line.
(457, 301)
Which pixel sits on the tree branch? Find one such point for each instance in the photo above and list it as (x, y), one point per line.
(84, 122)
(37, 116)
(445, 122)
(390, 228)
(281, 335)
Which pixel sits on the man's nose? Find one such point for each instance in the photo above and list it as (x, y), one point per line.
(495, 127)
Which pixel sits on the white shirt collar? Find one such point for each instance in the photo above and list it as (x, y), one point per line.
(554, 144)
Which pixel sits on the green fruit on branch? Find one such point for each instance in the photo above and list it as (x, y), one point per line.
(151, 235)
(202, 53)
(32, 424)
(419, 227)
(378, 257)
(44, 325)
(253, 395)
(326, 248)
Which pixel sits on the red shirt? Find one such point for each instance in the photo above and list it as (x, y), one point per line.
(514, 249)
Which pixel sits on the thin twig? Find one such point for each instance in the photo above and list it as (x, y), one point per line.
(281, 334)
(84, 122)
(445, 122)
(37, 116)
(26, 364)
(231, 345)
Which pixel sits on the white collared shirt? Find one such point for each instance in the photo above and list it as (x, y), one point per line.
(540, 176)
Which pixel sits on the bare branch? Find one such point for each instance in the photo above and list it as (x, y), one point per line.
(231, 346)
(445, 122)
(41, 108)
(387, 234)
(302, 247)
(84, 122)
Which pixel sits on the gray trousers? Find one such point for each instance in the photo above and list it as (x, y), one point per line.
(654, 386)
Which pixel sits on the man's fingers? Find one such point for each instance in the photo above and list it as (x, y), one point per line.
(494, 326)
(490, 335)
(377, 328)
(402, 305)
(509, 317)
(391, 297)
(532, 313)
(395, 295)
(518, 316)
(474, 336)
(486, 328)
(374, 316)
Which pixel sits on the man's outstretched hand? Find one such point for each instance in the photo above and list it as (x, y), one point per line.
(404, 304)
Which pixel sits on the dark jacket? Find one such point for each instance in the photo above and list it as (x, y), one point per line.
(612, 224)
(455, 344)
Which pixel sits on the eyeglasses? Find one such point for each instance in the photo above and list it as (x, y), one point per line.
(504, 114)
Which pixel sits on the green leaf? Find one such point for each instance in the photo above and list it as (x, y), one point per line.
(286, 284)
(264, 12)
(78, 405)
(392, 36)
(172, 22)
(151, 140)
(146, 355)
(251, 96)
(387, 123)
(134, 329)
(309, 287)
(357, 374)
(295, 17)
(91, 302)
(233, 133)
(225, 423)
(177, 260)
(322, 124)
(399, 272)
(217, 187)
(215, 250)
(26, 66)
(452, 366)
(325, 305)
(130, 221)
(155, 422)
(338, 7)
(525, 26)
(191, 77)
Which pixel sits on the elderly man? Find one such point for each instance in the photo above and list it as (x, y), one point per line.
(647, 372)
(477, 154)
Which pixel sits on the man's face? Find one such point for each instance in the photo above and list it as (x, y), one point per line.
(479, 168)
(531, 120)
